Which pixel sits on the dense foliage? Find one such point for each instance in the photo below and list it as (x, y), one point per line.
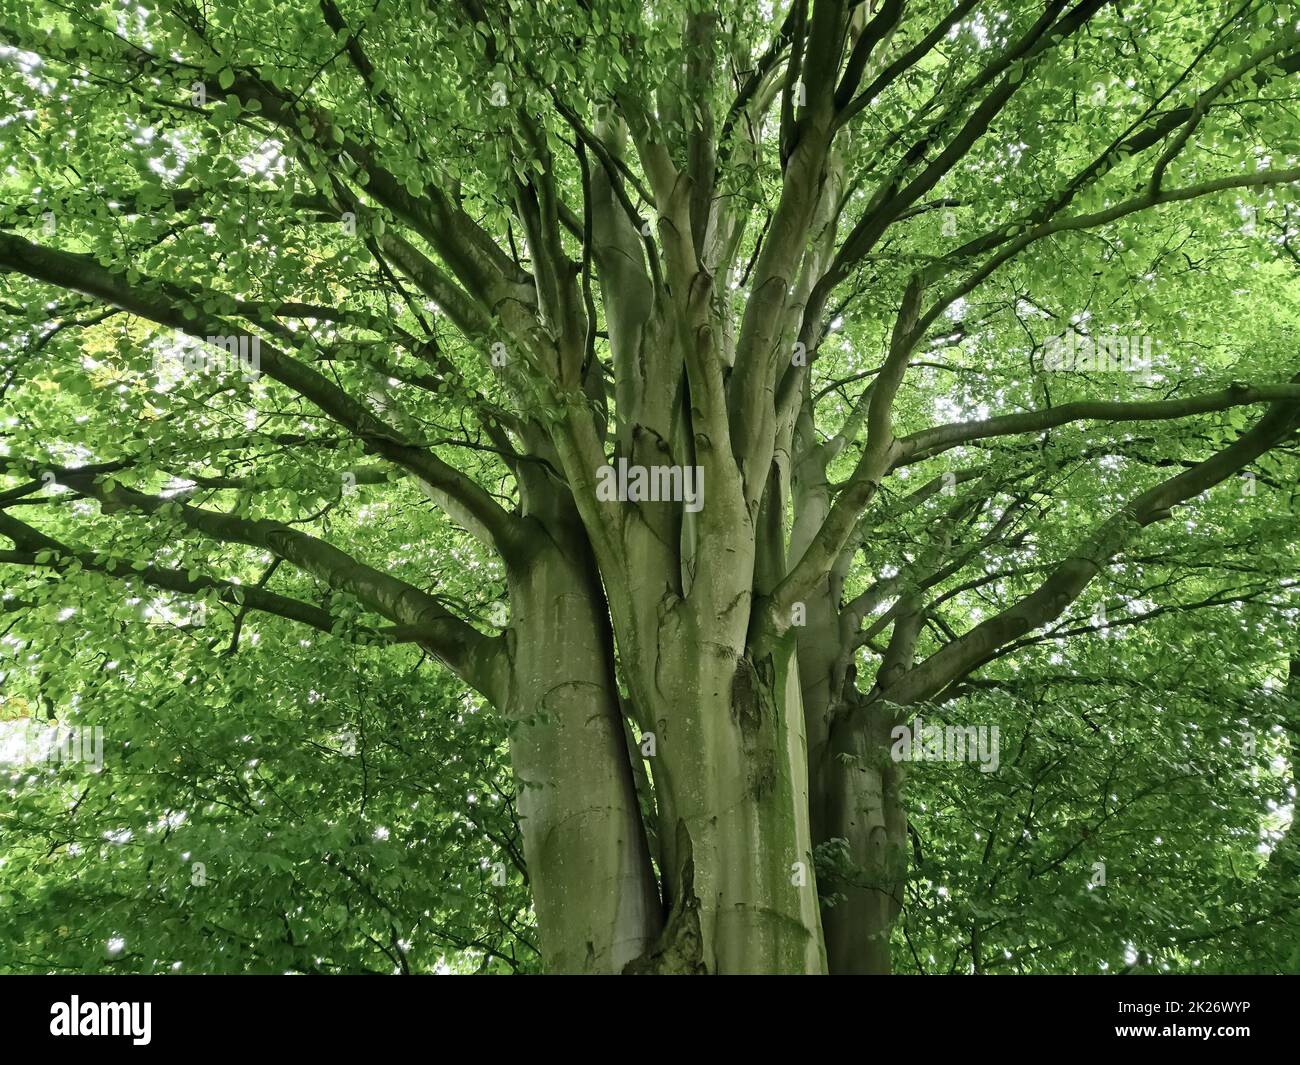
(483, 246)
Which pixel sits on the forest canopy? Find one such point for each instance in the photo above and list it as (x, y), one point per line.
(599, 486)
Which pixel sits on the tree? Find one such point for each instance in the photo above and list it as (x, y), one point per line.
(604, 284)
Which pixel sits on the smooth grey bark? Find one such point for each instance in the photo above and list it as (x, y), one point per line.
(732, 772)
(584, 843)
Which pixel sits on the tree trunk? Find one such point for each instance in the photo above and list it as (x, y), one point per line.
(857, 801)
(731, 774)
(863, 805)
(585, 846)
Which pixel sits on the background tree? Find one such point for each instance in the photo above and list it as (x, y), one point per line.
(818, 253)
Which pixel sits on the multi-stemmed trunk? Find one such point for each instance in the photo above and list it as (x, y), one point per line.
(732, 830)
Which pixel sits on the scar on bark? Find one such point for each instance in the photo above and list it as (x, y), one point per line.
(680, 947)
(752, 707)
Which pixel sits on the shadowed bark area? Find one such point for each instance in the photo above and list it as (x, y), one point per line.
(679, 951)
